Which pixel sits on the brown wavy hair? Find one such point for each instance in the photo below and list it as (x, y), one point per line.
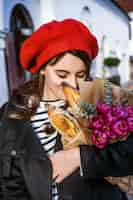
(25, 100)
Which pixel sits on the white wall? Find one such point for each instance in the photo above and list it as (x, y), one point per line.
(3, 80)
(131, 41)
(47, 11)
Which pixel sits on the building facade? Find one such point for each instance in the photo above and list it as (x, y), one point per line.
(18, 18)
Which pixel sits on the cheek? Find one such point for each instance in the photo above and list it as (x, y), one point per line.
(53, 80)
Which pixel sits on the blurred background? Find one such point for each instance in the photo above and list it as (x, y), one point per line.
(109, 20)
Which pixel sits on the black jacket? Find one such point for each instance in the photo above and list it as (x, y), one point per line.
(26, 171)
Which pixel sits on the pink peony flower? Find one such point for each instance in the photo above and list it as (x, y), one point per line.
(103, 108)
(130, 111)
(120, 127)
(97, 122)
(100, 139)
(111, 134)
(110, 119)
(130, 124)
(119, 112)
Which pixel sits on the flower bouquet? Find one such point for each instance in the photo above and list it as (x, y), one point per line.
(110, 124)
(94, 119)
(100, 115)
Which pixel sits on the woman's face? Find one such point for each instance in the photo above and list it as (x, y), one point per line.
(69, 69)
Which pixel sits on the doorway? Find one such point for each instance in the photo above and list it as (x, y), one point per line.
(21, 27)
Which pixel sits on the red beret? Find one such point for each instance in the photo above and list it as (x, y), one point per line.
(54, 38)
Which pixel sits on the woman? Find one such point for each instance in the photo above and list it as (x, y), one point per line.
(33, 164)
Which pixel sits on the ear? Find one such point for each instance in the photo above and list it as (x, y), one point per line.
(42, 72)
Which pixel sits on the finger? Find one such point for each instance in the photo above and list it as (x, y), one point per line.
(56, 177)
(59, 179)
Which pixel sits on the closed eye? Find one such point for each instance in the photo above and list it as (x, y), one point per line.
(81, 74)
(62, 74)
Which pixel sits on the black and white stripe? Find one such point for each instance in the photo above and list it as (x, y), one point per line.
(39, 122)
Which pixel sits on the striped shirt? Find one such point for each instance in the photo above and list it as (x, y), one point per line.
(39, 122)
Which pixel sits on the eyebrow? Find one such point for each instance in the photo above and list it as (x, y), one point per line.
(61, 70)
(64, 71)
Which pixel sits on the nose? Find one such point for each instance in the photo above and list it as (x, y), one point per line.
(73, 82)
